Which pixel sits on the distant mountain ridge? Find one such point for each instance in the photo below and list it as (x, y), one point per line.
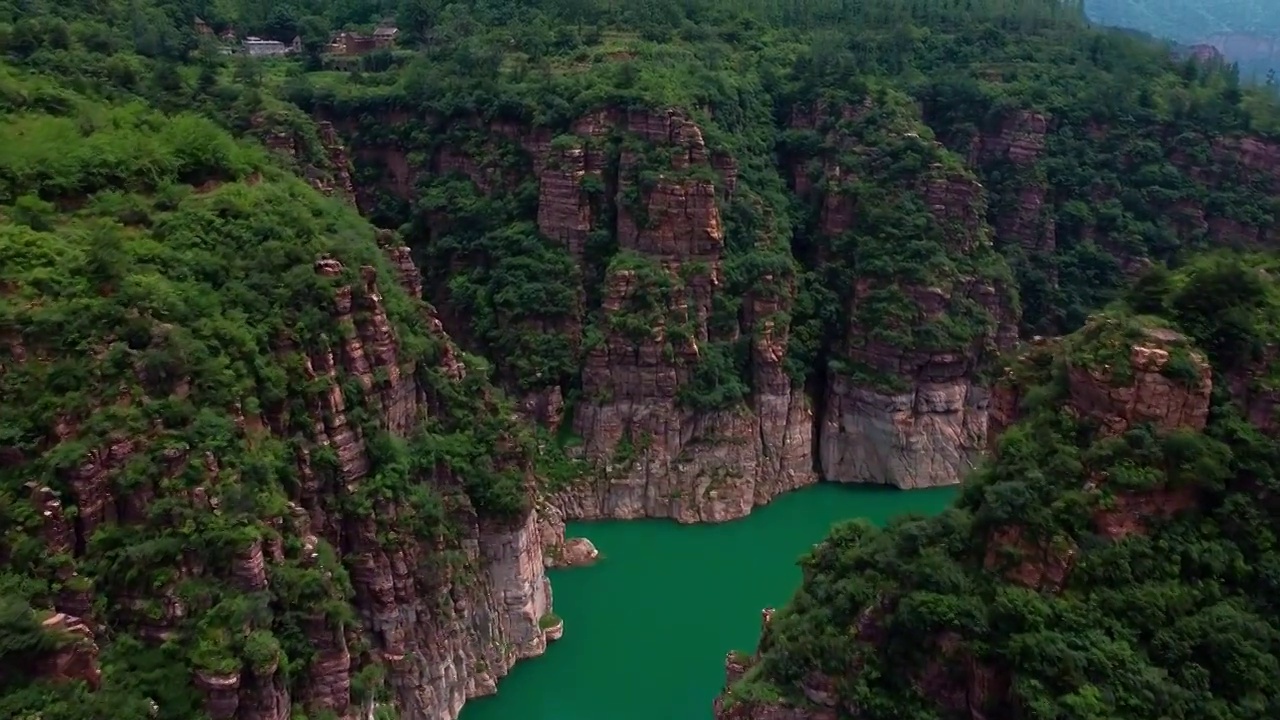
(1245, 31)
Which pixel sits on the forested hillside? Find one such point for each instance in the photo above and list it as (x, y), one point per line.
(1114, 559)
(679, 257)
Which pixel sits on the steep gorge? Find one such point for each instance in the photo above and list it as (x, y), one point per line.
(245, 471)
(665, 344)
(648, 182)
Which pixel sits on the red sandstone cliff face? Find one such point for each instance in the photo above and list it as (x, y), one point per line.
(76, 658)
(692, 466)
(1145, 395)
(932, 428)
(1024, 215)
(654, 456)
(1020, 140)
(330, 175)
(445, 616)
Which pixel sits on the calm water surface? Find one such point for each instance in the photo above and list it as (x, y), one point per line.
(647, 628)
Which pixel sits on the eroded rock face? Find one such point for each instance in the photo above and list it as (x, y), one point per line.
(1114, 400)
(447, 620)
(446, 615)
(332, 176)
(925, 422)
(932, 435)
(1148, 396)
(654, 455)
(430, 646)
(693, 465)
(1031, 218)
(76, 658)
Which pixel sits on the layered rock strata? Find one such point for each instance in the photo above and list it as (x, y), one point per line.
(445, 615)
(659, 457)
(653, 455)
(908, 411)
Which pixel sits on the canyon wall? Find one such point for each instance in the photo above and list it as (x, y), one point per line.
(936, 258)
(1076, 233)
(658, 308)
(646, 180)
(904, 404)
(686, 464)
(440, 608)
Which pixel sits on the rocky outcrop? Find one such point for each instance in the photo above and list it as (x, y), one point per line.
(648, 179)
(321, 158)
(430, 647)
(898, 409)
(425, 603)
(1140, 388)
(76, 657)
(818, 703)
(1145, 395)
(659, 457)
(931, 435)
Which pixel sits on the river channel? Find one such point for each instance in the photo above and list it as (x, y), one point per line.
(647, 628)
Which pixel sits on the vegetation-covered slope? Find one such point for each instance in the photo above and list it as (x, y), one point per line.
(970, 68)
(218, 408)
(1114, 559)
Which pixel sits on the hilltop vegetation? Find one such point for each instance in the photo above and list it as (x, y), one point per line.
(740, 72)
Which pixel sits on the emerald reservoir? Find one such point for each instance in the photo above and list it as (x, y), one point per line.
(647, 627)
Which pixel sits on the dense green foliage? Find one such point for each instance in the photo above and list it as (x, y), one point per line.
(742, 74)
(1177, 620)
(157, 286)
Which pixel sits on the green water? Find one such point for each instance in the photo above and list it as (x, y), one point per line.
(647, 628)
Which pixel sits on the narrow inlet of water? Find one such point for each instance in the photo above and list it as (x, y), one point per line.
(647, 628)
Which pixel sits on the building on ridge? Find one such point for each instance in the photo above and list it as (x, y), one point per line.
(351, 44)
(257, 47)
(385, 36)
